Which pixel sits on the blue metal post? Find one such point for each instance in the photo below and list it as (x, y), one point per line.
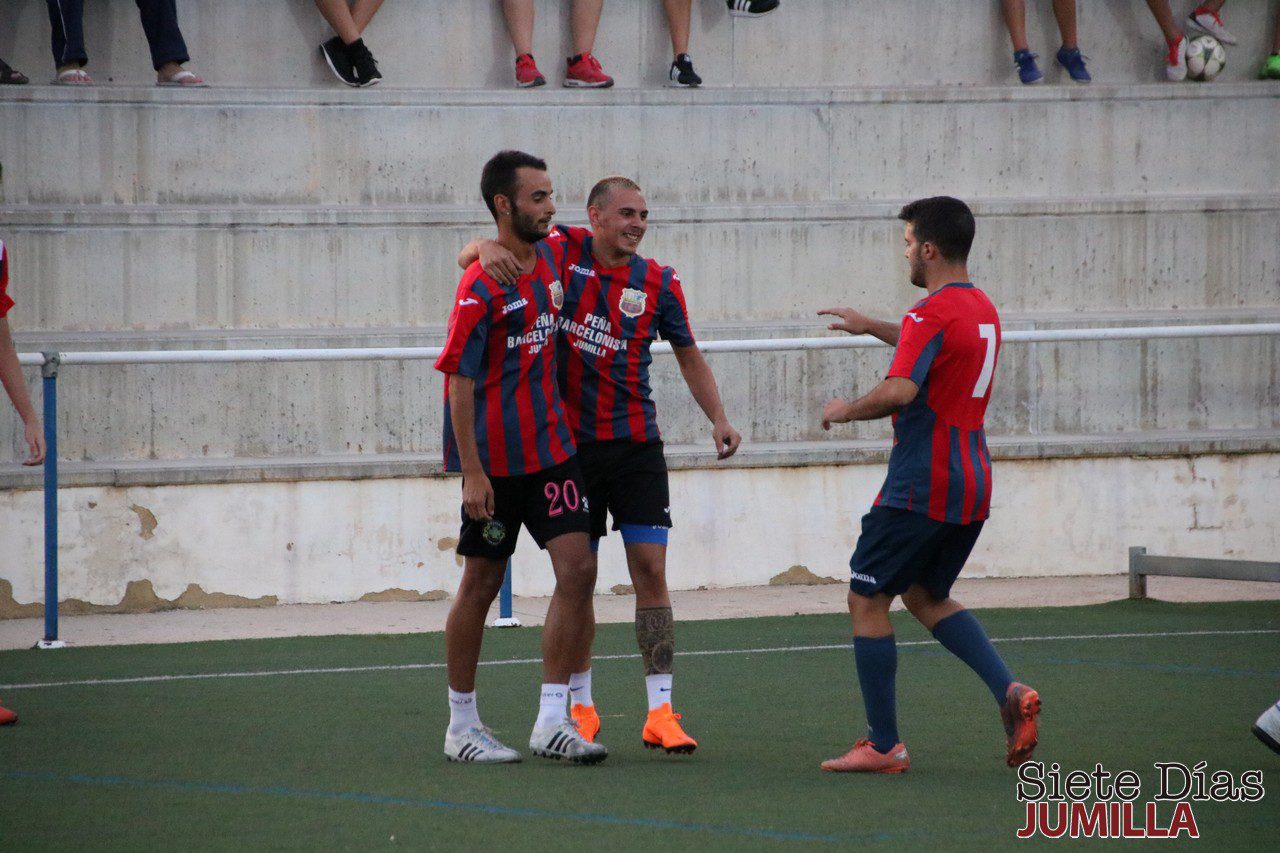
(504, 597)
(50, 373)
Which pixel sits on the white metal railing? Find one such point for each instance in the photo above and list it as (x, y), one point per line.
(224, 356)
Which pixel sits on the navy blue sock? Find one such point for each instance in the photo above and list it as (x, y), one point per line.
(877, 659)
(963, 636)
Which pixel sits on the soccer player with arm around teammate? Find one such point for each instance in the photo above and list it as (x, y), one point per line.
(937, 493)
(505, 431)
(616, 304)
(16, 388)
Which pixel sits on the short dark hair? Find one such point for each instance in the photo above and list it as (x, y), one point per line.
(499, 175)
(604, 186)
(945, 222)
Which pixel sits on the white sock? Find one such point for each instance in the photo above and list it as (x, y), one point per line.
(580, 688)
(659, 689)
(552, 705)
(463, 711)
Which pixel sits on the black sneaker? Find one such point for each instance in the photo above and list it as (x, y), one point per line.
(682, 74)
(335, 55)
(751, 8)
(365, 66)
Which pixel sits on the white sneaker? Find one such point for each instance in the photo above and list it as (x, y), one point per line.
(1268, 727)
(477, 745)
(1210, 23)
(1176, 67)
(563, 740)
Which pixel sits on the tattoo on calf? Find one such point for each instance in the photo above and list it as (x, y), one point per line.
(656, 633)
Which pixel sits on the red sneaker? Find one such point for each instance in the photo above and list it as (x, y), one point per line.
(586, 73)
(7, 717)
(865, 758)
(527, 73)
(1018, 713)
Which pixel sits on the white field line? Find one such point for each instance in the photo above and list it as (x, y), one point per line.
(149, 679)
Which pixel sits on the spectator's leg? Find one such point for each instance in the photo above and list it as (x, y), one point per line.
(1015, 18)
(338, 15)
(1065, 12)
(362, 12)
(66, 20)
(679, 21)
(584, 21)
(1164, 17)
(519, 15)
(160, 23)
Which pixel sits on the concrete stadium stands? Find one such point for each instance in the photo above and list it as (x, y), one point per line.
(279, 209)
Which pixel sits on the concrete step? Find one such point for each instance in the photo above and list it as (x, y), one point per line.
(168, 412)
(746, 146)
(444, 43)
(158, 268)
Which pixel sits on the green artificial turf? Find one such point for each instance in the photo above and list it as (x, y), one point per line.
(352, 760)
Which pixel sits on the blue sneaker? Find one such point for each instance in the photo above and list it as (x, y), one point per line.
(1072, 60)
(1028, 72)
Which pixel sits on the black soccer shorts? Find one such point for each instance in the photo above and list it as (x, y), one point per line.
(627, 480)
(550, 503)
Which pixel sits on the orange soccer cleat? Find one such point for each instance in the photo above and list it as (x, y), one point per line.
(7, 717)
(587, 721)
(1018, 713)
(865, 758)
(662, 731)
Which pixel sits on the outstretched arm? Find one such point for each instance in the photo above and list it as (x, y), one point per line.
(857, 323)
(702, 384)
(16, 387)
(883, 400)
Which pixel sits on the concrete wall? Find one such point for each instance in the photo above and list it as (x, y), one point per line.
(168, 412)
(336, 541)
(287, 148)
(106, 269)
(452, 44)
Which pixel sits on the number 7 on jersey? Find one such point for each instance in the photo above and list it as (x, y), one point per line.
(986, 331)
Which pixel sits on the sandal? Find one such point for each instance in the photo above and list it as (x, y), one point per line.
(184, 79)
(73, 77)
(11, 76)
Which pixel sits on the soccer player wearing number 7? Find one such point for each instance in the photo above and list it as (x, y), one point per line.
(505, 431)
(937, 494)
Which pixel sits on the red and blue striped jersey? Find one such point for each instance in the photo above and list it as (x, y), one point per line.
(503, 338)
(5, 302)
(940, 465)
(610, 319)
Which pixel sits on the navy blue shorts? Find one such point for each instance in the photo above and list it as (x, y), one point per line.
(899, 548)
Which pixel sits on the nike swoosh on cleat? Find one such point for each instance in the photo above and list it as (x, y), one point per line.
(901, 756)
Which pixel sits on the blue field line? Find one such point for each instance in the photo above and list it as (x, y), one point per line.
(332, 670)
(448, 805)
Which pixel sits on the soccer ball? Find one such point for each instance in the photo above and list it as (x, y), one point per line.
(1205, 58)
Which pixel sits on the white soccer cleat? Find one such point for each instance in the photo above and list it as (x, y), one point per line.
(477, 745)
(1210, 23)
(563, 740)
(1268, 727)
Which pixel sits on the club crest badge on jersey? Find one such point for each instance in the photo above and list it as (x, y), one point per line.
(632, 302)
(557, 294)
